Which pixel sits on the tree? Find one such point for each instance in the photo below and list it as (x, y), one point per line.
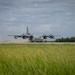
(71, 39)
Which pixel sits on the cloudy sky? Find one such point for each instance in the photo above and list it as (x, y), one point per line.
(41, 16)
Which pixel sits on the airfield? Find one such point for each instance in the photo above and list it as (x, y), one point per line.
(13, 42)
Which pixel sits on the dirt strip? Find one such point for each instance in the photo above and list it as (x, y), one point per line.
(37, 42)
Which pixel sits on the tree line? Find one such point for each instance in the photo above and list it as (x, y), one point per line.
(68, 39)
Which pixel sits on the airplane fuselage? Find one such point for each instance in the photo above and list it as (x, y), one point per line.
(37, 39)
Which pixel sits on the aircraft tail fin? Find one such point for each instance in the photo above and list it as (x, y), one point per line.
(27, 31)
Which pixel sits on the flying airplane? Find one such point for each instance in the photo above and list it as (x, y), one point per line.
(33, 38)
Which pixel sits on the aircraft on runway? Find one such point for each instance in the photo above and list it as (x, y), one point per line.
(33, 38)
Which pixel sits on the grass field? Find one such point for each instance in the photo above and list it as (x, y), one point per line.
(37, 59)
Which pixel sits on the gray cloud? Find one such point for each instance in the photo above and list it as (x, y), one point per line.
(56, 16)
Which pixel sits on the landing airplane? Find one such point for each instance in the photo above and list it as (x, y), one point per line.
(33, 38)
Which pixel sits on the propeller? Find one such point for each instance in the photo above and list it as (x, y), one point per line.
(51, 36)
(23, 36)
(31, 37)
(44, 36)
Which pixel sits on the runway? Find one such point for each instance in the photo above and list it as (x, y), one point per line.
(37, 42)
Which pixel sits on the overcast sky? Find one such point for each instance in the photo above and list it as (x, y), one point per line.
(41, 16)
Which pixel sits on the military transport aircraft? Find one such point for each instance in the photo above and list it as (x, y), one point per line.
(33, 38)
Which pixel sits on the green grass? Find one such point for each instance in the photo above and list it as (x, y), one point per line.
(37, 59)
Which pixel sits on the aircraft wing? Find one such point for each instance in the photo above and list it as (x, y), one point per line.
(15, 35)
(23, 36)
